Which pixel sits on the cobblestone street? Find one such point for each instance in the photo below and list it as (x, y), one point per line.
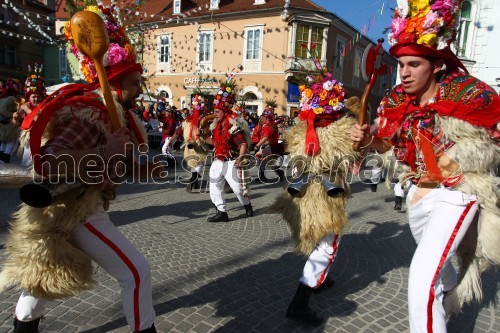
(240, 276)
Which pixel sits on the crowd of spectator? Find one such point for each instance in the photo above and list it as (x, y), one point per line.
(153, 115)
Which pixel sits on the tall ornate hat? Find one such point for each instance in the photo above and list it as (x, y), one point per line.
(34, 83)
(240, 107)
(269, 108)
(120, 59)
(225, 98)
(321, 102)
(198, 105)
(425, 28)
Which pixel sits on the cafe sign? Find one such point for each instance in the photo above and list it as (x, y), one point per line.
(199, 81)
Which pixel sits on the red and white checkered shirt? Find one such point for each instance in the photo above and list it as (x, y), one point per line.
(78, 135)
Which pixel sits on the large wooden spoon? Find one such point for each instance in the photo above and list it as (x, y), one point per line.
(91, 38)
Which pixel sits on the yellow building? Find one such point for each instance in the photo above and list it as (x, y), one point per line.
(188, 45)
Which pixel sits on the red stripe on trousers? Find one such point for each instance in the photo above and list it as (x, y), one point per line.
(441, 263)
(330, 261)
(130, 265)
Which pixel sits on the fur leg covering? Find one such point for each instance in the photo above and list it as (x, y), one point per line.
(315, 214)
(312, 216)
(480, 248)
(41, 259)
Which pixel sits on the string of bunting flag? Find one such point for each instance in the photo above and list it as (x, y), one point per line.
(32, 24)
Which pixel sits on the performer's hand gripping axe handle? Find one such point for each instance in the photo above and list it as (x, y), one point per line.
(371, 67)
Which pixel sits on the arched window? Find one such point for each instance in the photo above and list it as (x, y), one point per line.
(249, 96)
(163, 94)
(465, 30)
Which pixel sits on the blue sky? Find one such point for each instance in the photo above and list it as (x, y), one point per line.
(359, 12)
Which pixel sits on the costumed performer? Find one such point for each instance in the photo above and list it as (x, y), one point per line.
(34, 93)
(314, 204)
(195, 148)
(444, 126)
(50, 250)
(268, 149)
(231, 138)
(9, 119)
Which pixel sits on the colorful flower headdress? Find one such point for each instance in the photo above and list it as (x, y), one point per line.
(322, 94)
(120, 47)
(270, 106)
(198, 103)
(240, 107)
(428, 22)
(321, 100)
(226, 94)
(34, 83)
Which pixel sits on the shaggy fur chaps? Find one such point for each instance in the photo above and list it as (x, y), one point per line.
(194, 155)
(478, 157)
(41, 258)
(315, 215)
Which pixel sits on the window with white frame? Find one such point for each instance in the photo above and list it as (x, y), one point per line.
(356, 74)
(253, 43)
(63, 62)
(177, 6)
(465, 30)
(164, 49)
(308, 37)
(214, 4)
(205, 47)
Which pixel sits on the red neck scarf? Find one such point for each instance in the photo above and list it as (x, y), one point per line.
(459, 96)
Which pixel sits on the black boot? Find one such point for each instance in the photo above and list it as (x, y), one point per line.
(26, 326)
(249, 209)
(281, 174)
(328, 283)
(152, 329)
(193, 182)
(299, 308)
(219, 217)
(373, 187)
(398, 203)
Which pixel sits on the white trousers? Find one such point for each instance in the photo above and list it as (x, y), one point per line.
(108, 247)
(198, 168)
(398, 190)
(167, 149)
(320, 260)
(438, 223)
(27, 159)
(220, 170)
(376, 174)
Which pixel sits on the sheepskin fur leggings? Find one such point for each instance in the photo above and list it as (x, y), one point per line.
(109, 248)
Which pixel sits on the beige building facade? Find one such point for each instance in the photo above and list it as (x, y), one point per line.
(196, 48)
